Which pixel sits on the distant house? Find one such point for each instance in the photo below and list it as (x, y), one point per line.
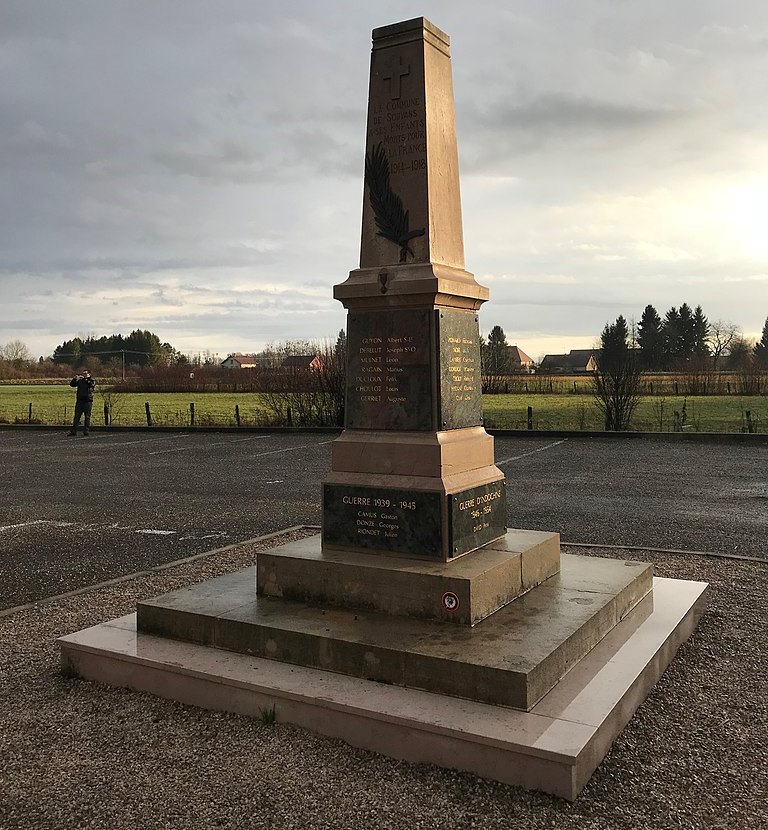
(239, 361)
(576, 362)
(303, 362)
(521, 362)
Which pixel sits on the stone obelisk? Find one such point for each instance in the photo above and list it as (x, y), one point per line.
(413, 472)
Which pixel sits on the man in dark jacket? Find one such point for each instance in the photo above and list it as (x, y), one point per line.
(84, 384)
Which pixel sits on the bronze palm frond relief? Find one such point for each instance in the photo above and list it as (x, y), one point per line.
(390, 216)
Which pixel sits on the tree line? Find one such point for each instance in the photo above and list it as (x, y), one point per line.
(683, 340)
(139, 348)
(685, 335)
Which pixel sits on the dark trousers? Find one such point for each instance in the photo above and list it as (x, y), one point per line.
(82, 408)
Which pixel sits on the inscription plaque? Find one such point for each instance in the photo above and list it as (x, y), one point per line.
(461, 403)
(477, 516)
(378, 518)
(389, 372)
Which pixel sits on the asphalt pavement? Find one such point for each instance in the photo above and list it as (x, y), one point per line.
(77, 511)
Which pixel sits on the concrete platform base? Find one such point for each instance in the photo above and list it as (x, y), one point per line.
(555, 747)
(512, 658)
(476, 584)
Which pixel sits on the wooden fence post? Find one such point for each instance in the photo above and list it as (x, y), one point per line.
(29, 417)
(149, 414)
(237, 414)
(106, 414)
(530, 417)
(192, 414)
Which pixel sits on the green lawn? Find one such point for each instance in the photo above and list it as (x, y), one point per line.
(54, 404)
(654, 414)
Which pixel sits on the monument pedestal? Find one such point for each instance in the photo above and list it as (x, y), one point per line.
(463, 592)
(513, 657)
(416, 625)
(553, 745)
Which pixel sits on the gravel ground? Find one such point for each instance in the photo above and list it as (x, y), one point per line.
(76, 755)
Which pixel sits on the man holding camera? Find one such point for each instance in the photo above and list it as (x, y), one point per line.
(84, 384)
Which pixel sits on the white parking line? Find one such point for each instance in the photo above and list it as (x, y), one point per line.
(100, 446)
(36, 522)
(92, 443)
(22, 524)
(256, 455)
(177, 449)
(157, 532)
(291, 449)
(120, 528)
(238, 440)
(531, 452)
(215, 444)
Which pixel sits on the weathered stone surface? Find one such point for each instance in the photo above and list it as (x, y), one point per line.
(464, 591)
(412, 209)
(512, 658)
(460, 380)
(382, 518)
(555, 747)
(477, 516)
(389, 369)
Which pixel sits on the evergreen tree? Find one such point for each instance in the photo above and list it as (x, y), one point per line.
(700, 333)
(670, 329)
(613, 340)
(140, 347)
(761, 348)
(145, 347)
(687, 332)
(70, 351)
(498, 359)
(650, 339)
(739, 354)
(340, 349)
(617, 378)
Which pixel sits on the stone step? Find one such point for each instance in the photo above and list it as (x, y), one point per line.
(512, 658)
(554, 748)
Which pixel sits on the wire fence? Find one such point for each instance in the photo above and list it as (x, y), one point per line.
(157, 414)
(532, 412)
(752, 381)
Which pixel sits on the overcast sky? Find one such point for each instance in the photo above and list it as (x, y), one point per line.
(195, 168)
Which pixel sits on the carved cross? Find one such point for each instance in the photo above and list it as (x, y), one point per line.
(395, 76)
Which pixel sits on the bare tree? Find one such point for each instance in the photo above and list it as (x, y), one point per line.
(16, 352)
(306, 395)
(722, 333)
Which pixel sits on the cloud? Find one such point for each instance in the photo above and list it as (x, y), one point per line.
(197, 170)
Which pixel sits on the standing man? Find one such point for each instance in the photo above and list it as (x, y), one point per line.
(84, 384)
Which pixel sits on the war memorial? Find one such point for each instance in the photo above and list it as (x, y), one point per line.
(416, 624)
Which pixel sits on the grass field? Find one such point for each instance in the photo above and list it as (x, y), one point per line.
(54, 405)
(654, 414)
